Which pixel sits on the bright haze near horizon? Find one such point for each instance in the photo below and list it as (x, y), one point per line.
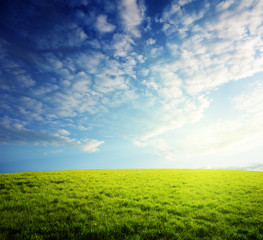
(97, 84)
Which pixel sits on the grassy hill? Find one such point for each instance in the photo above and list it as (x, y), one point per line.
(132, 204)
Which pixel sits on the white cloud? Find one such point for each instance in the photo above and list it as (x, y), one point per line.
(225, 4)
(90, 63)
(106, 85)
(112, 68)
(8, 122)
(81, 83)
(128, 66)
(47, 88)
(184, 2)
(171, 10)
(63, 132)
(145, 72)
(190, 19)
(170, 92)
(156, 51)
(103, 26)
(30, 108)
(217, 51)
(248, 3)
(140, 58)
(78, 99)
(150, 84)
(176, 20)
(91, 145)
(122, 44)
(26, 81)
(132, 16)
(150, 41)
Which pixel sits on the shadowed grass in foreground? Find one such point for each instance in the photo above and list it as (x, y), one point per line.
(132, 204)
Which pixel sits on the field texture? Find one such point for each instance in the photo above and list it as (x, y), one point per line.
(132, 204)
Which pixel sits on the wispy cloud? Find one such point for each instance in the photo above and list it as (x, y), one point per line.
(20, 135)
(63, 132)
(225, 4)
(184, 2)
(24, 136)
(251, 100)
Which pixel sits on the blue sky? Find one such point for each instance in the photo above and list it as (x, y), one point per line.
(131, 84)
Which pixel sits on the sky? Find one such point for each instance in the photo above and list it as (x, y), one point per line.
(102, 84)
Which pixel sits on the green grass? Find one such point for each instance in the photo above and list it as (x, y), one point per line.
(132, 204)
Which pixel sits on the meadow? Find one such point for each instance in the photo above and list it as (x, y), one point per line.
(132, 204)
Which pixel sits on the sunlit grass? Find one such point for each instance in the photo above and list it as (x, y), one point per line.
(132, 204)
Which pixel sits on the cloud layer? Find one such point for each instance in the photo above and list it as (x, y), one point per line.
(79, 70)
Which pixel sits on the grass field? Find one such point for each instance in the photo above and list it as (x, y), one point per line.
(132, 204)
